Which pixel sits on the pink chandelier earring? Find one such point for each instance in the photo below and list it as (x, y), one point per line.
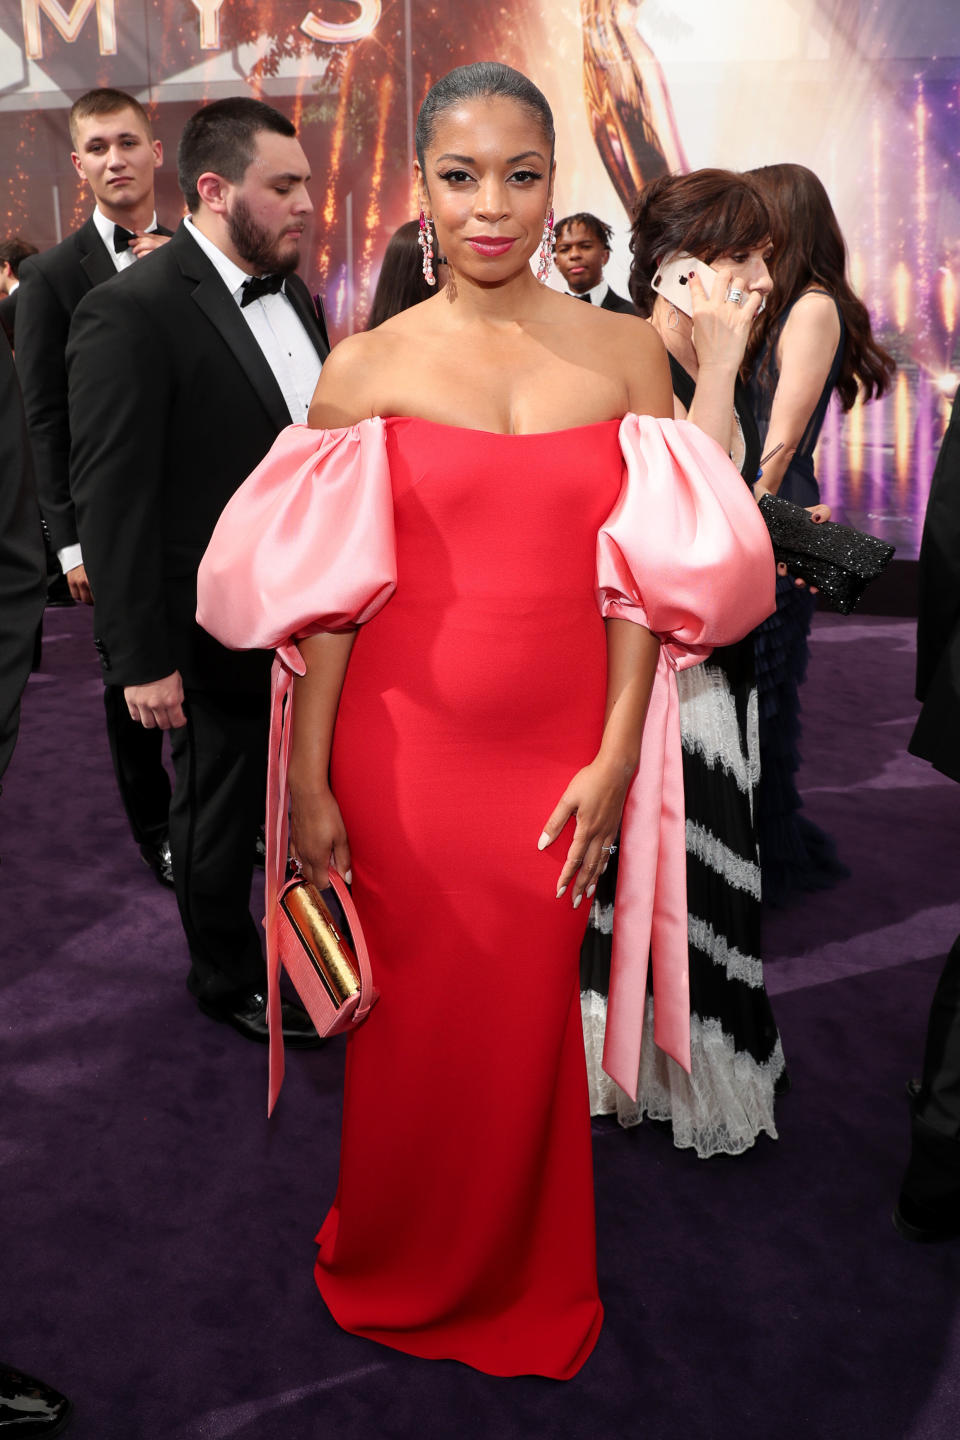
(546, 249)
(425, 241)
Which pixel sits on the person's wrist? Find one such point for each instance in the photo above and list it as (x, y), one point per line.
(310, 785)
(618, 762)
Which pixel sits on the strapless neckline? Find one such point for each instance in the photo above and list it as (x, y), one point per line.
(501, 434)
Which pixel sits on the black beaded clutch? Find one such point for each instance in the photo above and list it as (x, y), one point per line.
(838, 560)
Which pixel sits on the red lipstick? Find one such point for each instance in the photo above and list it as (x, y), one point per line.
(491, 245)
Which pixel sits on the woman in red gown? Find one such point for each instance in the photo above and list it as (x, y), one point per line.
(490, 588)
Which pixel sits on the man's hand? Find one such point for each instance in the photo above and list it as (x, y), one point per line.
(157, 705)
(145, 243)
(80, 585)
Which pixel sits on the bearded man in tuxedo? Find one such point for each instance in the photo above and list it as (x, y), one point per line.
(181, 375)
(115, 152)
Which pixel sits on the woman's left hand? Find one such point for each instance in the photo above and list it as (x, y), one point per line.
(818, 514)
(721, 326)
(595, 795)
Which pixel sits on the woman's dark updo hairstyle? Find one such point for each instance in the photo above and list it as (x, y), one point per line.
(705, 214)
(482, 81)
(809, 253)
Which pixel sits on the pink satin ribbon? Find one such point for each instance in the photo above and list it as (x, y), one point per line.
(651, 900)
(287, 665)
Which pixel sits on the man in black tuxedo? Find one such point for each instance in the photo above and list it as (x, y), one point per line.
(13, 252)
(929, 1204)
(116, 154)
(181, 376)
(27, 1406)
(581, 250)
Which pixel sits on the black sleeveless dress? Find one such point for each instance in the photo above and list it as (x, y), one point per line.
(795, 854)
(728, 1098)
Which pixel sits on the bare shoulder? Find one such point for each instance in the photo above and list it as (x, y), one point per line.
(627, 349)
(345, 390)
(814, 315)
(643, 358)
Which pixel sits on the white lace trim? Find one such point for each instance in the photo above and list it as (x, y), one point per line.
(708, 724)
(704, 845)
(702, 936)
(601, 918)
(720, 1108)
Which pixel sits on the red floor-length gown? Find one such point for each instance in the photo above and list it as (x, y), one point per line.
(463, 1224)
(470, 702)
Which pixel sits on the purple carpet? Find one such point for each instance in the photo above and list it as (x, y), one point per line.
(156, 1233)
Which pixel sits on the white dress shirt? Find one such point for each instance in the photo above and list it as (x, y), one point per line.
(277, 329)
(123, 259)
(597, 295)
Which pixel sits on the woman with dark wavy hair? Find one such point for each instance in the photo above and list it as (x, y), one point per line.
(737, 1064)
(813, 340)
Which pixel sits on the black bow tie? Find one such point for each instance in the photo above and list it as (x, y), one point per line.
(585, 297)
(258, 286)
(123, 239)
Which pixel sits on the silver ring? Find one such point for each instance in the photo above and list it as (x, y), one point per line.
(610, 848)
(735, 295)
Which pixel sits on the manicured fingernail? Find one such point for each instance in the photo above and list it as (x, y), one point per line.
(349, 877)
(590, 890)
(605, 864)
(576, 903)
(561, 891)
(544, 841)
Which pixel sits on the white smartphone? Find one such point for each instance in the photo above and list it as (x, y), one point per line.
(672, 280)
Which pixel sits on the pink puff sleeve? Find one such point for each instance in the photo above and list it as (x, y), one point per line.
(305, 545)
(685, 553)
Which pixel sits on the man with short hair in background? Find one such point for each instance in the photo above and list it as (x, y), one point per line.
(581, 250)
(12, 254)
(115, 152)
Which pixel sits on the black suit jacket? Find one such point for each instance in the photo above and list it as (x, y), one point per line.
(612, 301)
(51, 287)
(937, 734)
(172, 404)
(8, 315)
(23, 569)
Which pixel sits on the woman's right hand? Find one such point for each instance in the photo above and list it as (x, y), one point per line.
(318, 836)
(721, 327)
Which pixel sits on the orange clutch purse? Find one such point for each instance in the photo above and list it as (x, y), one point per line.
(331, 976)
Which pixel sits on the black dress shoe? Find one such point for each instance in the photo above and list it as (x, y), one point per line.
(30, 1410)
(157, 856)
(925, 1227)
(248, 1016)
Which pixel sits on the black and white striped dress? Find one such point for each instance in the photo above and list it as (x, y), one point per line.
(728, 1098)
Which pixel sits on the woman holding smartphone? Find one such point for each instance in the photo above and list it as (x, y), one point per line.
(714, 224)
(813, 340)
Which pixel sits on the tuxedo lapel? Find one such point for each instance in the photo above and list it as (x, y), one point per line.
(299, 297)
(218, 305)
(95, 259)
